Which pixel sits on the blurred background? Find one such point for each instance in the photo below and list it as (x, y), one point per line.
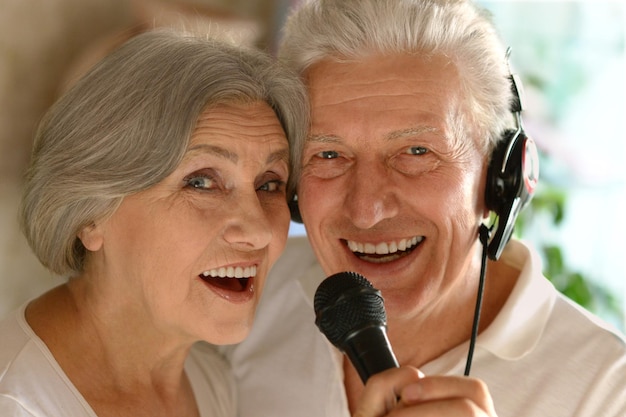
(569, 54)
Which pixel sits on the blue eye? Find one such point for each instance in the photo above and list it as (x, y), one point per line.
(328, 154)
(200, 182)
(272, 186)
(417, 150)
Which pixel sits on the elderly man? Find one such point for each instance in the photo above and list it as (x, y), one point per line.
(415, 144)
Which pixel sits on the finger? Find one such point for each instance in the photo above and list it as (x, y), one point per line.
(449, 388)
(382, 391)
(455, 407)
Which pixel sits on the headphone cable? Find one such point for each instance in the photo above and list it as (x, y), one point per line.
(483, 233)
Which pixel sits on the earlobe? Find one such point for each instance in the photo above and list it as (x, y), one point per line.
(91, 237)
(486, 212)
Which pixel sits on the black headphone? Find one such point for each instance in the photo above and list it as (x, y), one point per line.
(512, 176)
(294, 209)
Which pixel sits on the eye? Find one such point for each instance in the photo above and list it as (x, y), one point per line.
(200, 181)
(273, 186)
(328, 154)
(416, 150)
(325, 164)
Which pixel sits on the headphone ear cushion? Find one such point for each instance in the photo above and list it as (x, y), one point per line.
(512, 176)
(498, 185)
(513, 172)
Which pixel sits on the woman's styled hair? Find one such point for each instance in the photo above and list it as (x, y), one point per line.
(458, 29)
(126, 125)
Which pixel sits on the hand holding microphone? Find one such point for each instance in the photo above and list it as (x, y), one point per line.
(350, 312)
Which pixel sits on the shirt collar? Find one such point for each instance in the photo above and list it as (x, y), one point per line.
(517, 328)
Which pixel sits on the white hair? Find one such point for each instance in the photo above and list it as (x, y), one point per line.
(458, 29)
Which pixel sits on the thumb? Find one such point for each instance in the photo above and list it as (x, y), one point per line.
(383, 389)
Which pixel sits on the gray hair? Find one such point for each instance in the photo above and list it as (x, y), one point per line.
(126, 125)
(352, 29)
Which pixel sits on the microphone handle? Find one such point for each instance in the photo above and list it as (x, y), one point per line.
(369, 351)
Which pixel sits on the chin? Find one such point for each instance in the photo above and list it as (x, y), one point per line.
(403, 302)
(230, 333)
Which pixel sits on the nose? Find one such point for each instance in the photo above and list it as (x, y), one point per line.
(371, 198)
(248, 226)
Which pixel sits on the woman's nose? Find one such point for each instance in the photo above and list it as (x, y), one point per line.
(248, 226)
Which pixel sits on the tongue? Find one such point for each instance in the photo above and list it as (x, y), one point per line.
(231, 284)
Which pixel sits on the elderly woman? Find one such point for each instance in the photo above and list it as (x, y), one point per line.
(159, 185)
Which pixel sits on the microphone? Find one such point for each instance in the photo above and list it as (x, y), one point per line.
(351, 314)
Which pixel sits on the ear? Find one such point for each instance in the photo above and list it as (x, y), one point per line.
(486, 211)
(91, 237)
(485, 183)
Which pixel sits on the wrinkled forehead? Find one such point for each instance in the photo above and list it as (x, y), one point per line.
(404, 94)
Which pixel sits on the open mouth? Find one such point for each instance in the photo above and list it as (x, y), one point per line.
(234, 279)
(384, 251)
(230, 284)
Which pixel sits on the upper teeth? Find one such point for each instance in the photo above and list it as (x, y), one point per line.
(384, 248)
(231, 272)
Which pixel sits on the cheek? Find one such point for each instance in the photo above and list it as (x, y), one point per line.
(471, 191)
(133, 235)
(172, 245)
(318, 199)
(279, 218)
(463, 191)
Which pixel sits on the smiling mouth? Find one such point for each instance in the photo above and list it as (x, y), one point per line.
(384, 251)
(235, 279)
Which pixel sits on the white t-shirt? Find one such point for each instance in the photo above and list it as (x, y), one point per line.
(32, 384)
(542, 355)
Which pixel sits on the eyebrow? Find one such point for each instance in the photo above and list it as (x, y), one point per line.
(279, 155)
(322, 138)
(396, 134)
(411, 131)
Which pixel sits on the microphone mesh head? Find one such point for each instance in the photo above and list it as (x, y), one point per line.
(346, 302)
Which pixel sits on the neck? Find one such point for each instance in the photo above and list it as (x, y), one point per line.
(109, 353)
(421, 338)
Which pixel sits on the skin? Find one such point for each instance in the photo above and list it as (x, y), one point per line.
(382, 164)
(128, 321)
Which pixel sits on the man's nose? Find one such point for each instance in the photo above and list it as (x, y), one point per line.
(371, 197)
